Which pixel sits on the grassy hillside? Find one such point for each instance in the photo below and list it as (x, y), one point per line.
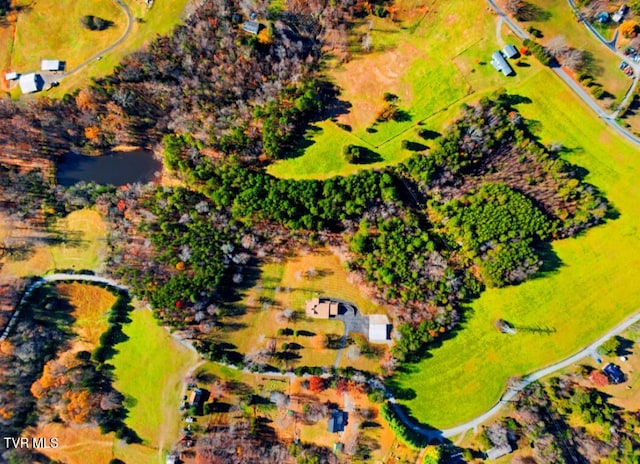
(594, 288)
(149, 369)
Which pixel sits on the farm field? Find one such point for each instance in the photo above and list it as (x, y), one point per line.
(149, 369)
(68, 41)
(91, 304)
(289, 285)
(411, 58)
(562, 22)
(85, 444)
(85, 235)
(66, 38)
(601, 263)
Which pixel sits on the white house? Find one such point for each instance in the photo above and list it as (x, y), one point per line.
(29, 83)
(11, 76)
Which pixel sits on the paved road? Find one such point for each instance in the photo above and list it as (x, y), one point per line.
(50, 77)
(608, 119)
(524, 383)
(54, 278)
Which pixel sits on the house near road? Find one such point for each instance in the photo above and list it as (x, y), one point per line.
(337, 421)
(52, 65)
(510, 51)
(614, 373)
(498, 62)
(30, 83)
(379, 328)
(196, 398)
(321, 308)
(618, 16)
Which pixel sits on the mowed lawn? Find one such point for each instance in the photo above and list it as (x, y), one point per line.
(593, 290)
(149, 369)
(434, 56)
(52, 29)
(83, 234)
(289, 285)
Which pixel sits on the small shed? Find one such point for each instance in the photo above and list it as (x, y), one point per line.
(500, 64)
(510, 51)
(498, 451)
(51, 65)
(379, 328)
(252, 27)
(11, 76)
(337, 421)
(29, 83)
(598, 378)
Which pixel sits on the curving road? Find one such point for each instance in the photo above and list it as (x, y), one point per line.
(524, 383)
(54, 278)
(608, 119)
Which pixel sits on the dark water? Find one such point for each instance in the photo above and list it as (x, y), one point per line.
(117, 168)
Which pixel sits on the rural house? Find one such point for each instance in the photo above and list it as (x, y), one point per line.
(498, 62)
(618, 16)
(498, 452)
(614, 373)
(196, 398)
(252, 27)
(337, 421)
(321, 308)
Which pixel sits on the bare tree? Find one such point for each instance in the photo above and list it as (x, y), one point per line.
(557, 46)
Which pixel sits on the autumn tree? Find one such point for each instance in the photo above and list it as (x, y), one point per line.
(629, 28)
(316, 384)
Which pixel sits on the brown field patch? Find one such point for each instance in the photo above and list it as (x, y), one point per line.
(91, 305)
(363, 80)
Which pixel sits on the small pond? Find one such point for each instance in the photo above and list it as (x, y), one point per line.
(117, 168)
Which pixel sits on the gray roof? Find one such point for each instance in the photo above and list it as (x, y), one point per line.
(51, 65)
(510, 51)
(29, 83)
(251, 26)
(498, 62)
(496, 453)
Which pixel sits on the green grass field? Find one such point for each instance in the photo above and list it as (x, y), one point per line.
(594, 288)
(67, 40)
(149, 368)
(432, 59)
(52, 29)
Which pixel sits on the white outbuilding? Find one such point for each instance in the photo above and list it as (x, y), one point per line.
(29, 83)
(379, 328)
(51, 65)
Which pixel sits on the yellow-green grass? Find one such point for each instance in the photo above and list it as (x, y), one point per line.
(85, 232)
(149, 368)
(159, 20)
(430, 62)
(91, 306)
(594, 288)
(562, 22)
(294, 287)
(52, 29)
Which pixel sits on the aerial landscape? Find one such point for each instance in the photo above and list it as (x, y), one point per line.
(319, 231)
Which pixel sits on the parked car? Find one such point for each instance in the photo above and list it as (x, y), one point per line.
(624, 65)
